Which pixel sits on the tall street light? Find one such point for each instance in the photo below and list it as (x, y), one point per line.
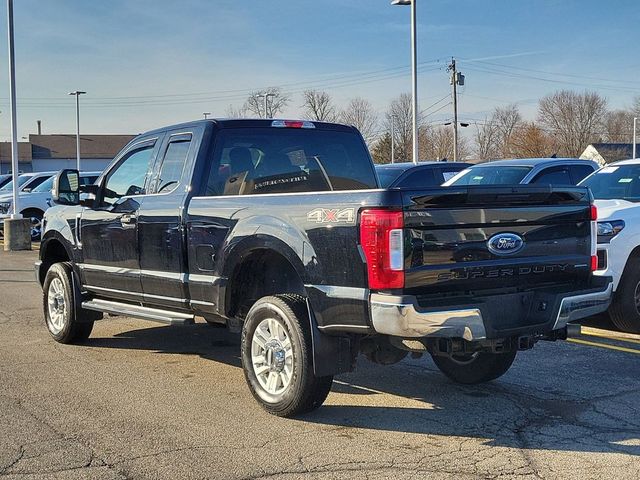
(635, 122)
(266, 97)
(414, 71)
(77, 94)
(12, 102)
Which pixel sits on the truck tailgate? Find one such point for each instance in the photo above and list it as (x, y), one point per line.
(463, 240)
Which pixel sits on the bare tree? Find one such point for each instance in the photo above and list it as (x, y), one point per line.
(635, 109)
(276, 103)
(399, 120)
(319, 106)
(530, 141)
(506, 119)
(437, 144)
(360, 114)
(618, 126)
(573, 119)
(233, 112)
(486, 139)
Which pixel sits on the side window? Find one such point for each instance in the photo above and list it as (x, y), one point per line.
(36, 182)
(422, 178)
(88, 180)
(553, 176)
(580, 172)
(173, 163)
(128, 178)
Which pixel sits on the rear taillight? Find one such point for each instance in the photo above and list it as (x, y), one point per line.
(593, 216)
(381, 238)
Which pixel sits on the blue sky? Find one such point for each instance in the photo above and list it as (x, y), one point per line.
(149, 63)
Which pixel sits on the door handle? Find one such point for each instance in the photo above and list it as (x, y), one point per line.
(128, 221)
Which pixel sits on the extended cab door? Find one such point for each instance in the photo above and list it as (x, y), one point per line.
(161, 229)
(109, 231)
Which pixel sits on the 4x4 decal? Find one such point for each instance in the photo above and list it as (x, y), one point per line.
(332, 215)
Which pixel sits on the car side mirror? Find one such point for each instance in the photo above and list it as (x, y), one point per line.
(66, 188)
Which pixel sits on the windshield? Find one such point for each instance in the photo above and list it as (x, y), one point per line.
(45, 186)
(9, 186)
(615, 182)
(388, 175)
(494, 175)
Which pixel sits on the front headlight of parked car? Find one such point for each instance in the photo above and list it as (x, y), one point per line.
(4, 207)
(609, 229)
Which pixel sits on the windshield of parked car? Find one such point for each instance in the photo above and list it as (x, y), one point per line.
(45, 186)
(615, 182)
(490, 175)
(388, 175)
(9, 186)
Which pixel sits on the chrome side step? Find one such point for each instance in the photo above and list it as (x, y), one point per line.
(145, 313)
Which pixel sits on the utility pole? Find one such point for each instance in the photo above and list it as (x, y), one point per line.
(206, 114)
(456, 79)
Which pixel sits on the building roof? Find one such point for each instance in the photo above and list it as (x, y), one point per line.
(612, 152)
(64, 145)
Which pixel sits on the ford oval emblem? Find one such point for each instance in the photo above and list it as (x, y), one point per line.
(505, 244)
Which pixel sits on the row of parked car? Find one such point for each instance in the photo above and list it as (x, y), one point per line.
(616, 189)
(35, 196)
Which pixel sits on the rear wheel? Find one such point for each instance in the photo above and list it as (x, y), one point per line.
(625, 307)
(277, 357)
(65, 324)
(478, 367)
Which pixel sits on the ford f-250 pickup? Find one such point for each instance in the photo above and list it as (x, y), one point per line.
(279, 230)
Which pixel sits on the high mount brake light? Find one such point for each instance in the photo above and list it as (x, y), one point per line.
(381, 238)
(292, 124)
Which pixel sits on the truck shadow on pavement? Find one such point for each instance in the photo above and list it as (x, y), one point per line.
(545, 410)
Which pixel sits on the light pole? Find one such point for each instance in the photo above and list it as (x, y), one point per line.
(77, 94)
(635, 122)
(206, 114)
(12, 101)
(266, 97)
(414, 71)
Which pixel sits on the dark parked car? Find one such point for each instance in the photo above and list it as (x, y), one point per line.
(542, 171)
(279, 230)
(424, 174)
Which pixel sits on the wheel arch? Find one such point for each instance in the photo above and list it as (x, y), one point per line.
(53, 249)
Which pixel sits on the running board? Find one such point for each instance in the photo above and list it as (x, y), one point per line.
(145, 313)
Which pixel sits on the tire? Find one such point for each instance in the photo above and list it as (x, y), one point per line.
(477, 368)
(65, 323)
(625, 309)
(288, 386)
(36, 223)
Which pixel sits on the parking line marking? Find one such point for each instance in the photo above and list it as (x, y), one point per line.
(604, 345)
(596, 332)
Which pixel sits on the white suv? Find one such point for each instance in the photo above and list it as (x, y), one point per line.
(616, 189)
(35, 201)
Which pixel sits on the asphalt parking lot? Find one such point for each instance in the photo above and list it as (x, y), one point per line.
(140, 400)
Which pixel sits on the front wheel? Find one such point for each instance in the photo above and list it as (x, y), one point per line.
(277, 357)
(478, 367)
(625, 306)
(64, 323)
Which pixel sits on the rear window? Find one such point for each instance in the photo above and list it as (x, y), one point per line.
(498, 175)
(250, 161)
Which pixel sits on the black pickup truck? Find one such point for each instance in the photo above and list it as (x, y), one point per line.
(279, 231)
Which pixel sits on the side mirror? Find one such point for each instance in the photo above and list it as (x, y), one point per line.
(66, 188)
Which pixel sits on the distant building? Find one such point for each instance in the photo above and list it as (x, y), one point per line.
(604, 153)
(55, 152)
